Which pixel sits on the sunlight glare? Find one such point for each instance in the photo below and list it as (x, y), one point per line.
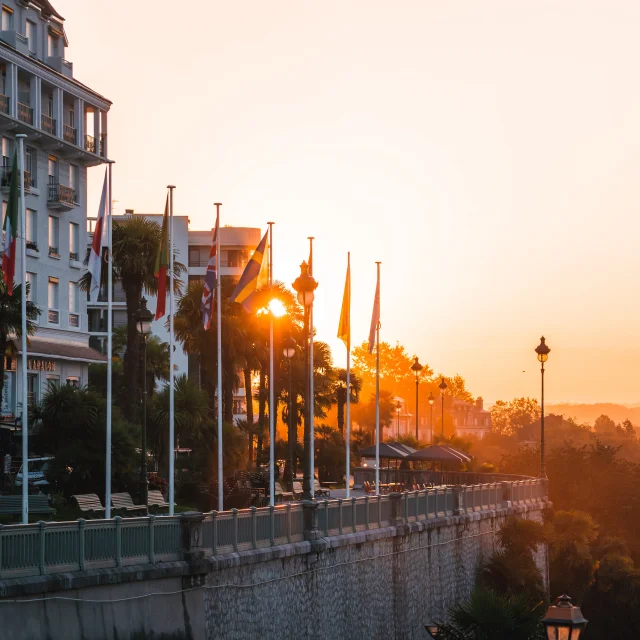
(277, 308)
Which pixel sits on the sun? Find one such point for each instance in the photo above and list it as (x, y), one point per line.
(277, 308)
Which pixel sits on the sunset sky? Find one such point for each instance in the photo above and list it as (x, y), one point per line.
(486, 152)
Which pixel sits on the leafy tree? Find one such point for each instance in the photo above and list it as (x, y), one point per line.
(330, 455)
(629, 429)
(510, 417)
(604, 424)
(395, 363)
(340, 394)
(456, 387)
(364, 414)
(11, 321)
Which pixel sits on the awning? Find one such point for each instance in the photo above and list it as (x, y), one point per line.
(388, 450)
(440, 453)
(61, 350)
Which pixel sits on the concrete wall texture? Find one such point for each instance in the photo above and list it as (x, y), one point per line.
(382, 583)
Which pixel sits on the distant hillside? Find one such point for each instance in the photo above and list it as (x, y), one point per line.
(589, 412)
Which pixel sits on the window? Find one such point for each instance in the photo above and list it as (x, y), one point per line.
(52, 45)
(73, 381)
(72, 118)
(32, 296)
(74, 305)
(74, 241)
(31, 164)
(7, 18)
(32, 229)
(54, 237)
(74, 180)
(32, 388)
(49, 105)
(53, 382)
(6, 153)
(53, 295)
(53, 169)
(32, 36)
(3, 81)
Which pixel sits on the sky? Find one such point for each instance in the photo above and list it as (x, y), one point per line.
(487, 153)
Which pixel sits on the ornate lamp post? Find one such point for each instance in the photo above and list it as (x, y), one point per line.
(443, 387)
(564, 621)
(289, 350)
(543, 354)
(416, 368)
(144, 318)
(305, 285)
(431, 400)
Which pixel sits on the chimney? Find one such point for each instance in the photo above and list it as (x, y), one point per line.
(479, 403)
(128, 212)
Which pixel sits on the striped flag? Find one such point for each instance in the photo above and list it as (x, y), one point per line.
(254, 276)
(10, 227)
(375, 318)
(210, 279)
(99, 241)
(162, 264)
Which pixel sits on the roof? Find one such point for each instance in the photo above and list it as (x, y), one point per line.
(47, 8)
(440, 453)
(61, 350)
(391, 450)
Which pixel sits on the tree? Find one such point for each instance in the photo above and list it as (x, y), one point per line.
(395, 363)
(340, 394)
(510, 417)
(604, 424)
(456, 387)
(11, 321)
(364, 414)
(629, 429)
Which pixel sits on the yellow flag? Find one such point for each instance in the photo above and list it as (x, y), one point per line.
(344, 329)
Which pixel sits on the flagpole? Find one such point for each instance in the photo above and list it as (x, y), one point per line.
(172, 434)
(272, 462)
(378, 393)
(311, 381)
(107, 492)
(219, 351)
(348, 416)
(23, 267)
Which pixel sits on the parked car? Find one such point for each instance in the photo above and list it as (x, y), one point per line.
(37, 472)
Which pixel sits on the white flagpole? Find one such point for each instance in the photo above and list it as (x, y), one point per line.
(348, 416)
(172, 427)
(378, 392)
(219, 350)
(25, 409)
(272, 431)
(107, 492)
(312, 457)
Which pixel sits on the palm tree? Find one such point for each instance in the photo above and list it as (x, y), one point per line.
(136, 241)
(11, 321)
(340, 391)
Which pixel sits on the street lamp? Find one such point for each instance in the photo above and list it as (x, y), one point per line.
(398, 407)
(431, 401)
(432, 629)
(143, 325)
(305, 285)
(543, 354)
(443, 388)
(417, 368)
(289, 350)
(564, 621)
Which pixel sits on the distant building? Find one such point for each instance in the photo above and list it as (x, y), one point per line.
(192, 250)
(470, 419)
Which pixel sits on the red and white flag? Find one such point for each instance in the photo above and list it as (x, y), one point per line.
(99, 242)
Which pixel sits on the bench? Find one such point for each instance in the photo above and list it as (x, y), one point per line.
(297, 490)
(89, 503)
(318, 490)
(123, 501)
(12, 505)
(279, 494)
(156, 499)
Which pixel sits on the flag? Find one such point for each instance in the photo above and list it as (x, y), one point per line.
(99, 241)
(11, 230)
(375, 318)
(344, 328)
(162, 264)
(253, 277)
(210, 279)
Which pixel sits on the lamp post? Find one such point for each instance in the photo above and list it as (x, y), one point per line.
(417, 368)
(143, 325)
(543, 354)
(443, 388)
(398, 407)
(289, 350)
(431, 401)
(432, 629)
(305, 286)
(564, 621)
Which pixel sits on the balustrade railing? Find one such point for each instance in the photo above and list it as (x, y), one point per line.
(61, 194)
(48, 124)
(4, 103)
(89, 143)
(54, 547)
(69, 133)
(25, 113)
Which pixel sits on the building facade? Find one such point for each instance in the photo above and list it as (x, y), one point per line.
(66, 127)
(470, 419)
(192, 250)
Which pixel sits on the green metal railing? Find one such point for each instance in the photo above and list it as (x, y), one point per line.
(55, 547)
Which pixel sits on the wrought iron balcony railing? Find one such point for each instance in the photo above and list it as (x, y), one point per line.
(70, 134)
(4, 103)
(73, 255)
(32, 245)
(89, 143)
(25, 113)
(5, 178)
(60, 194)
(103, 144)
(48, 124)
(53, 252)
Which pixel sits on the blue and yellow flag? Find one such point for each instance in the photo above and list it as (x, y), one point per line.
(255, 275)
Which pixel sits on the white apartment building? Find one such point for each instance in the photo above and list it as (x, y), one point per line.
(192, 250)
(66, 127)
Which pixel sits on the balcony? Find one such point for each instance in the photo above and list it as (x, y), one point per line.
(70, 134)
(4, 104)
(48, 124)
(25, 113)
(5, 179)
(89, 143)
(103, 145)
(60, 196)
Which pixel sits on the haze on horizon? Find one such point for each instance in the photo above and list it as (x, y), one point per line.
(486, 153)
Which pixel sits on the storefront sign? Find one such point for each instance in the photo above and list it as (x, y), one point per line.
(41, 365)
